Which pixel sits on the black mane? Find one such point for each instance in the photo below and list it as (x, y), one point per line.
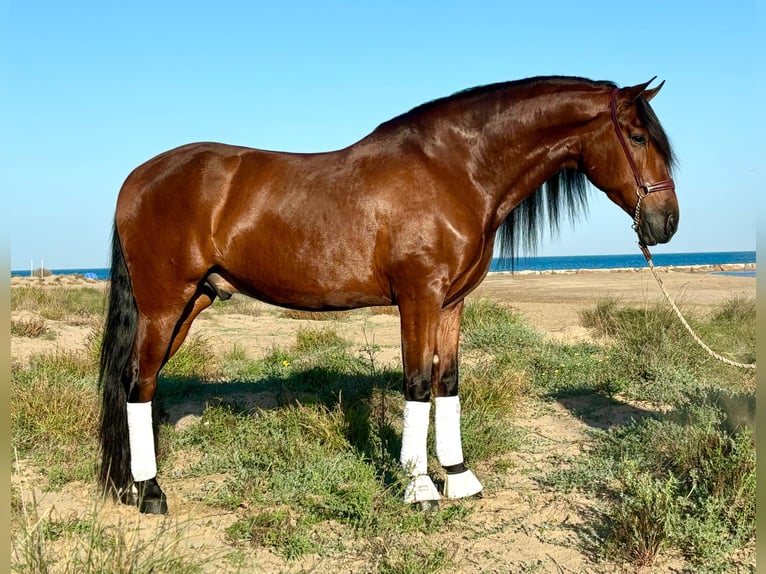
(563, 195)
(657, 135)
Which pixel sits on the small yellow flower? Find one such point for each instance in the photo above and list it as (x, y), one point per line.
(285, 363)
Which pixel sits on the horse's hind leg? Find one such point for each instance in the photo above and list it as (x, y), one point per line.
(159, 337)
(460, 482)
(202, 301)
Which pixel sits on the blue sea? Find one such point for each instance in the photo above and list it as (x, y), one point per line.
(631, 261)
(556, 263)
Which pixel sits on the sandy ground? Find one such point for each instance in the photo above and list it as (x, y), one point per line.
(518, 525)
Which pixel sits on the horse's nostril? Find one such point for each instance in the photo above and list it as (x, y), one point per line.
(671, 225)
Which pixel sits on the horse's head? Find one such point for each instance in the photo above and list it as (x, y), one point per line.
(630, 159)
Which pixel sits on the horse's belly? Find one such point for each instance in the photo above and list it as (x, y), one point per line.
(308, 288)
(316, 301)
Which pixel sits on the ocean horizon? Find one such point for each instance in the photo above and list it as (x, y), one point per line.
(551, 263)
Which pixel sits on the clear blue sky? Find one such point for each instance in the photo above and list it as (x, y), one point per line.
(92, 89)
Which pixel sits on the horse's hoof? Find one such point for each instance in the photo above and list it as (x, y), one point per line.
(428, 506)
(151, 499)
(153, 506)
(147, 496)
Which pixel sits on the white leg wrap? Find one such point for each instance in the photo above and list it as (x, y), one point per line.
(143, 463)
(461, 485)
(449, 448)
(414, 457)
(421, 489)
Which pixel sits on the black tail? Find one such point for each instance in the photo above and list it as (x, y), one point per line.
(117, 372)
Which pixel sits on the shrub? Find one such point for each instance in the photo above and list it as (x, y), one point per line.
(194, 359)
(32, 328)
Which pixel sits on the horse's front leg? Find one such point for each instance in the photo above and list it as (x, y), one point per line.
(459, 482)
(419, 325)
(430, 353)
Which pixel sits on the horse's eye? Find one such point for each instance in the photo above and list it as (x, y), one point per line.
(638, 139)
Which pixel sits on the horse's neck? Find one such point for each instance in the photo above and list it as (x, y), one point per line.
(524, 144)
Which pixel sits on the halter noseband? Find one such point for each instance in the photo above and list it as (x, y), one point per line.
(642, 188)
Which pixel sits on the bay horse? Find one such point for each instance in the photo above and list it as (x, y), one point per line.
(407, 216)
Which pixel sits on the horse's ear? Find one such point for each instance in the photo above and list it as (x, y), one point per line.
(649, 94)
(631, 93)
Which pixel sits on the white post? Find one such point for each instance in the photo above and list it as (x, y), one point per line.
(31, 267)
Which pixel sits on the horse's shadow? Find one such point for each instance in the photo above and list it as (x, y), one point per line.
(603, 412)
(184, 400)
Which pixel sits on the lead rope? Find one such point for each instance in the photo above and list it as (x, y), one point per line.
(700, 342)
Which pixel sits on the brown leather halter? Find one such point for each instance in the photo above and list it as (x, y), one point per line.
(642, 188)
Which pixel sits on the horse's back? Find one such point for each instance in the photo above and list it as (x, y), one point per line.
(279, 225)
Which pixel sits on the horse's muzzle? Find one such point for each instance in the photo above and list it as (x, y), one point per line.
(657, 227)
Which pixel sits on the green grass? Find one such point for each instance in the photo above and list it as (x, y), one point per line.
(732, 327)
(194, 360)
(693, 491)
(652, 357)
(424, 559)
(318, 341)
(276, 529)
(320, 473)
(683, 479)
(496, 330)
(54, 409)
(60, 303)
(680, 481)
